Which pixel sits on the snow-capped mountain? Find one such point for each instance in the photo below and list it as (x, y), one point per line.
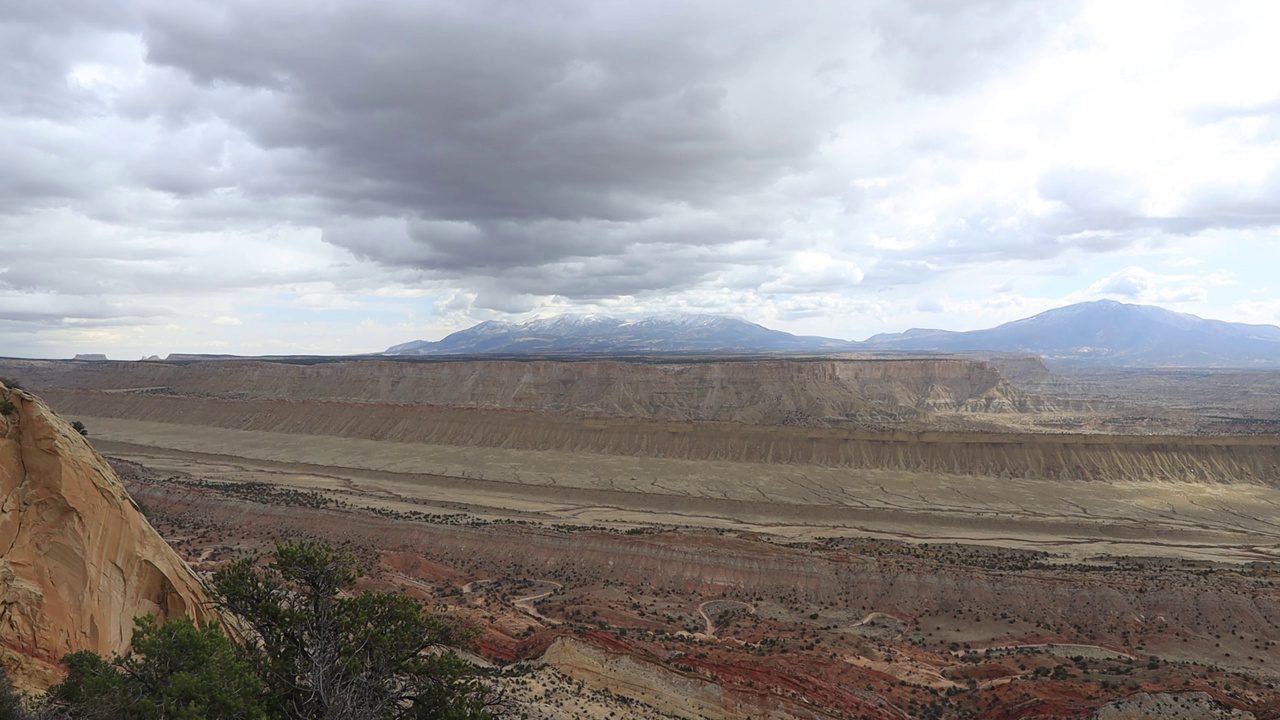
(1103, 332)
(606, 335)
(1111, 333)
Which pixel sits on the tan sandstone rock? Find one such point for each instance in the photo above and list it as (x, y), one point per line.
(78, 561)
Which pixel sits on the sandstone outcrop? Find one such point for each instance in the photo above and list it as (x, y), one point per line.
(78, 561)
(624, 674)
(603, 663)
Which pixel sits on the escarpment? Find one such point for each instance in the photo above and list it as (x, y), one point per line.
(807, 391)
(78, 561)
(1058, 457)
(859, 413)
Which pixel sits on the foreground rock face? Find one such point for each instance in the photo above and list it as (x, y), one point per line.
(77, 559)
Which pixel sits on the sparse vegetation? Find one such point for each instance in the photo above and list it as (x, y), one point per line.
(7, 408)
(311, 650)
(322, 653)
(80, 428)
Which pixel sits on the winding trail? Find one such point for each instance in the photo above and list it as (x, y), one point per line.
(711, 628)
(526, 603)
(876, 615)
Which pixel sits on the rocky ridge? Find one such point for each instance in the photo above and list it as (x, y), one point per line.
(760, 391)
(78, 561)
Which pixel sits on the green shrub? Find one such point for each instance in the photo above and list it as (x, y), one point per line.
(372, 655)
(176, 670)
(311, 649)
(7, 408)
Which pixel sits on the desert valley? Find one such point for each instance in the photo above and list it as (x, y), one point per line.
(573, 360)
(806, 535)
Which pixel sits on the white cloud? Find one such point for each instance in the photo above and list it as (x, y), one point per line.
(1135, 284)
(324, 301)
(811, 271)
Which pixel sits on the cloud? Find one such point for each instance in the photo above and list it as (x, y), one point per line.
(55, 310)
(495, 142)
(203, 159)
(946, 46)
(1139, 285)
(811, 271)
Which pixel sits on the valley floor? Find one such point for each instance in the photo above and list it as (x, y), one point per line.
(1074, 520)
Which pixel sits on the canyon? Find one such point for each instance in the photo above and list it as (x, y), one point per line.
(780, 536)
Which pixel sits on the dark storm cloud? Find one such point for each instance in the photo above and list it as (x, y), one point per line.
(499, 112)
(500, 140)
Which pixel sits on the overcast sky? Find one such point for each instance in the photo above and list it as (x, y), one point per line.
(337, 176)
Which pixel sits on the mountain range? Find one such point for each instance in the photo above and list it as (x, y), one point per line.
(1103, 332)
(681, 333)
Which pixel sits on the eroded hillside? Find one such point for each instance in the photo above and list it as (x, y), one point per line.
(770, 391)
(1166, 458)
(680, 623)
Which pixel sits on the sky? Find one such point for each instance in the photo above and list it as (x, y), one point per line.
(338, 176)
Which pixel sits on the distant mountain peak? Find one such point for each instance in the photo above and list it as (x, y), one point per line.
(1110, 332)
(1096, 332)
(601, 334)
(569, 322)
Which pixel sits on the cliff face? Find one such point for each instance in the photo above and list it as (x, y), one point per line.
(1063, 457)
(772, 391)
(77, 559)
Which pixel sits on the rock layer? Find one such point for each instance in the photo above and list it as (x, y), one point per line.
(78, 561)
(1038, 456)
(756, 391)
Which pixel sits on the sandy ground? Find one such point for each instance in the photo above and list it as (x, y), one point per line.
(1076, 519)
